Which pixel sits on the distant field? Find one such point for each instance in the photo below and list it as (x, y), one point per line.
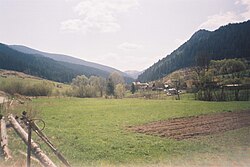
(95, 132)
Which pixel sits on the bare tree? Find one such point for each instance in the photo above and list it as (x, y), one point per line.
(120, 91)
(117, 78)
(80, 85)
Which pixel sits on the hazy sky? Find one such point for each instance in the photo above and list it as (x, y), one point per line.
(125, 34)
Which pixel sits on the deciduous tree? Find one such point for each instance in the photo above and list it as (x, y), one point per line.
(119, 91)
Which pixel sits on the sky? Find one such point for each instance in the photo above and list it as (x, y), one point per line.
(124, 34)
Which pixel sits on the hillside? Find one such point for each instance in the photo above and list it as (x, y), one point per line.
(11, 78)
(44, 67)
(65, 58)
(230, 41)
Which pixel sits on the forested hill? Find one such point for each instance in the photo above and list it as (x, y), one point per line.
(230, 41)
(44, 67)
(65, 58)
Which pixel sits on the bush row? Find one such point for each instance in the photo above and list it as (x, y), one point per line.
(39, 89)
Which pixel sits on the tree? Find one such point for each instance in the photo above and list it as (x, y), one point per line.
(132, 88)
(102, 85)
(110, 87)
(177, 82)
(116, 78)
(119, 91)
(202, 61)
(80, 80)
(79, 85)
(232, 66)
(98, 84)
(94, 83)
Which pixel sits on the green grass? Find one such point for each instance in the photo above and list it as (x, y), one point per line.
(93, 131)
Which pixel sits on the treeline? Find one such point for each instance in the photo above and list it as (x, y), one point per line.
(81, 86)
(93, 86)
(223, 80)
(231, 41)
(217, 80)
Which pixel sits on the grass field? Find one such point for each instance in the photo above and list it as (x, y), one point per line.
(93, 132)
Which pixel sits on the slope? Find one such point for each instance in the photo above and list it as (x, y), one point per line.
(44, 67)
(65, 58)
(230, 41)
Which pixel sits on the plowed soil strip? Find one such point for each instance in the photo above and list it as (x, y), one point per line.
(184, 128)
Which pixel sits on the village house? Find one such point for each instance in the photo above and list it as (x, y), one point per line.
(141, 86)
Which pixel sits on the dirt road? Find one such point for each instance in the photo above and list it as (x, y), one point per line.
(184, 128)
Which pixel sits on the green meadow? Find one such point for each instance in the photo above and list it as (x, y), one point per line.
(93, 132)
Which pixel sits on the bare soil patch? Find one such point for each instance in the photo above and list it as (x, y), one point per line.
(190, 127)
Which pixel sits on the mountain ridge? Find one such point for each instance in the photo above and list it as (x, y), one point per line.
(65, 58)
(47, 68)
(229, 41)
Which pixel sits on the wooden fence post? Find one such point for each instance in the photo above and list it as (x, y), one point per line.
(4, 140)
(45, 161)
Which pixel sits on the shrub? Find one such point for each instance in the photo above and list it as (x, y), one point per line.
(13, 87)
(40, 89)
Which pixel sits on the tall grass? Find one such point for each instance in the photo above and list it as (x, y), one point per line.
(18, 87)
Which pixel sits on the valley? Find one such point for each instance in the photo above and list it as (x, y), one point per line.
(189, 108)
(95, 132)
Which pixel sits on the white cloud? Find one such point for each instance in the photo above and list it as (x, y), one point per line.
(246, 3)
(71, 25)
(129, 46)
(215, 21)
(99, 15)
(237, 2)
